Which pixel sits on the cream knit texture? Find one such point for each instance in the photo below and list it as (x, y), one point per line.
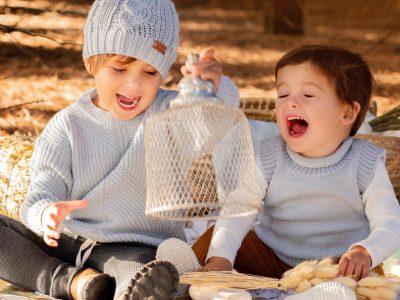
(87, 153)
(319, 211)
(179, 253)
(144, 29)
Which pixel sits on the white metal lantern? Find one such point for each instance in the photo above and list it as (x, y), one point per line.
(199, 158)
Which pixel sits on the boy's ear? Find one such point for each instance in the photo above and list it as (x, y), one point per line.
(351, 112)
(87, 66)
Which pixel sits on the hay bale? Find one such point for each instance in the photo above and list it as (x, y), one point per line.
(15, 154)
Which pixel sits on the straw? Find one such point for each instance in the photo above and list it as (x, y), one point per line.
(15, 154)
(229, 279)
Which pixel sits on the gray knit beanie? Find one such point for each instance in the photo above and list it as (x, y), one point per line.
(144, 29)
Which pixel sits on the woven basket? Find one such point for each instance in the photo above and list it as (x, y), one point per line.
(392, 146)
(259, 108)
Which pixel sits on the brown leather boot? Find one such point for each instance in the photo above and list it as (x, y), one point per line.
(90, 284)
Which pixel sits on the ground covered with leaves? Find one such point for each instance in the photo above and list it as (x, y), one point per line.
(41, 69)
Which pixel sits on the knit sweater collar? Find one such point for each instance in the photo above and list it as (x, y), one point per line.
(327, 161)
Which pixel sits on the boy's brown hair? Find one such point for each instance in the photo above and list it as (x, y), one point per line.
(348, 72)
(94, 62)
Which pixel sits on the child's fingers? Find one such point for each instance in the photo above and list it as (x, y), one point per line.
(52, 210)
(53, 234)
(49, 238)
(51, 242)
(209, 268)
(207, 70)
(76, 204)
(350, 269)
(214, 77)
(51, 224)
(50, 218)
(218, 264)
(343, 265)
(207, 53)
(365, 271)
(358, 271)
(56, 213)
(185, 71)
(210, 69)
(206, 65)
(69, 206)
(209, 64)
(196, 70)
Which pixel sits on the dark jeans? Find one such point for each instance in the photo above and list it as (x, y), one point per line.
(27, 261)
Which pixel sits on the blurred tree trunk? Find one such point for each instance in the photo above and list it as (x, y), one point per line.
(284, 17)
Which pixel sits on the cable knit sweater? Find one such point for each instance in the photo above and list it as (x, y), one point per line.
(320, 207)
(319, 210)
(87, 153)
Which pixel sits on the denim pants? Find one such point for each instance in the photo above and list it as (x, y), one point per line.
(28, 262)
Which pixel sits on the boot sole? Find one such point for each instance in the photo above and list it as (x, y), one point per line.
(157, 280)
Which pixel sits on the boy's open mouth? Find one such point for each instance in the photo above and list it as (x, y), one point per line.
(127, 103)
(296, 126)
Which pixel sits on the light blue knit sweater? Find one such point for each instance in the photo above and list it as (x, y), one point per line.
(87, 153)
(314, 207)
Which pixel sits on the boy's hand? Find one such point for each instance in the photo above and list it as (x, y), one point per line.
(54, 214)
(217, 263)
(207, 69)
(356, 263)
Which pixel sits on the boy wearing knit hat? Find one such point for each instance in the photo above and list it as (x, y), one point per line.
(102, 246)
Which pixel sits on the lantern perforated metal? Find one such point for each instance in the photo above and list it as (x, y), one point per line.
(199, 158)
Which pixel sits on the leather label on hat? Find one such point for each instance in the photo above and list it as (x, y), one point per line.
(160, 47)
